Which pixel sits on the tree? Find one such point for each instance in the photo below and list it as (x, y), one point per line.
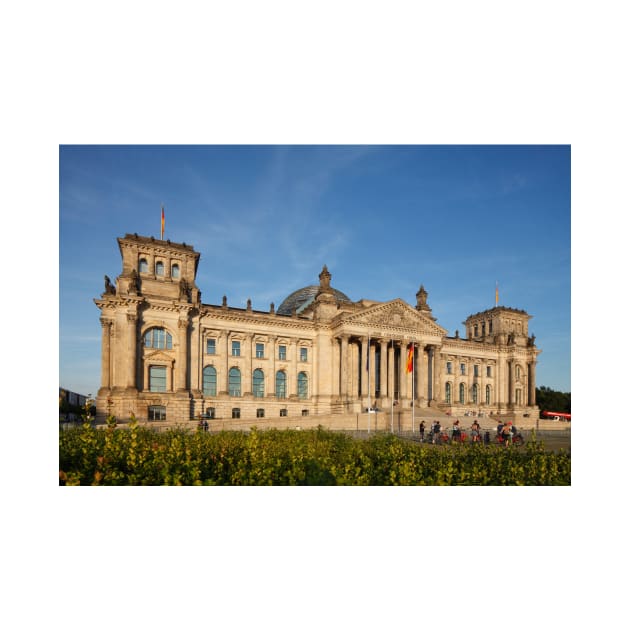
(548, 399)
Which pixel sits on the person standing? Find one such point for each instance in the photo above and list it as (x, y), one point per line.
(422, 431)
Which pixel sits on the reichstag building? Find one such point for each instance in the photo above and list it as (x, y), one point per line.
(167, 357)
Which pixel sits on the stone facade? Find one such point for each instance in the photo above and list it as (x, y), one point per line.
(166, 356)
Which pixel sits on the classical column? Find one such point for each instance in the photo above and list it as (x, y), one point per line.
(372, 383)
(224, 344)
(430, 373)
(344, 360)
(106, 325)
(384, 390)
(510, 381)
(437, 373)
(364, 367)
(247, 377)
(531, 380)
(182, 355)
(293, 358)
(391, 361)
(336, 367)
(132, 348)
(272, 365)
(402, 383)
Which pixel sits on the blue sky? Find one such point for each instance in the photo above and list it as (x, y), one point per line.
(384, 219)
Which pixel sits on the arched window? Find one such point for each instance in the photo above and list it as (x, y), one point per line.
(143, 266)
(487, 394)
(302, 385)
(281, 384)
(475, 393)
(448, 393)
(462, 392)
(209, 381)
(175, 271)
(159, 268)
(234, 377)
(158, 338)
(258, 383)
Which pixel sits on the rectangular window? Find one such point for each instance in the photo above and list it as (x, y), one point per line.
(260, 350)
(488, 371)
(211, 346)
(157, 378)
(303, 354)
(305, 412)
(236, 348)
(282, 353)
(260, 413)
(157, 412)
(462, 367)
(283, 413)
(210, 412)
(449, 367)
(476, 370)
(236, 412)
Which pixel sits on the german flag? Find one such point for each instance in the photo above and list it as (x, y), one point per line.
(162, 226)
(410, 358)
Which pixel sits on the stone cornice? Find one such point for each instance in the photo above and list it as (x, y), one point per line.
(274, 322)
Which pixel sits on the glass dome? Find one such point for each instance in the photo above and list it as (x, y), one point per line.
(301, 298)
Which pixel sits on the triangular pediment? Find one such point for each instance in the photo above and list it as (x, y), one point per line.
(394, 316)
(159, 355)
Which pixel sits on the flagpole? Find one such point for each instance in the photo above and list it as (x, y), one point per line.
(413, 389)
(368, 383)
(392, 384)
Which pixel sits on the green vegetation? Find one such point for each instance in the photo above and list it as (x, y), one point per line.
(550, 400)
(140, 456)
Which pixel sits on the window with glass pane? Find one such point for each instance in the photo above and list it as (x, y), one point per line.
(282, 353)
(236, 412)
(448, 392)
(234, 384)
(283, 413)
(305, 412)
(475, 393)
(260, 413)
(449, 367)
(462, 367)
(462, 391)
(488, 371)
(175, 271)
(476, 370)
(158, 338)
(209, 381)
(211, 346)
(157, 378)
(159, 268)
(260, 350)
(303, 354)
(210, 412)
(236, 348)
(281, 385)
(157, 412)
(143, 266)
(258, 383)
(302, 385)
(487, 394)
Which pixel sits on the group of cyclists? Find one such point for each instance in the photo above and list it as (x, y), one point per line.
(506, 433)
